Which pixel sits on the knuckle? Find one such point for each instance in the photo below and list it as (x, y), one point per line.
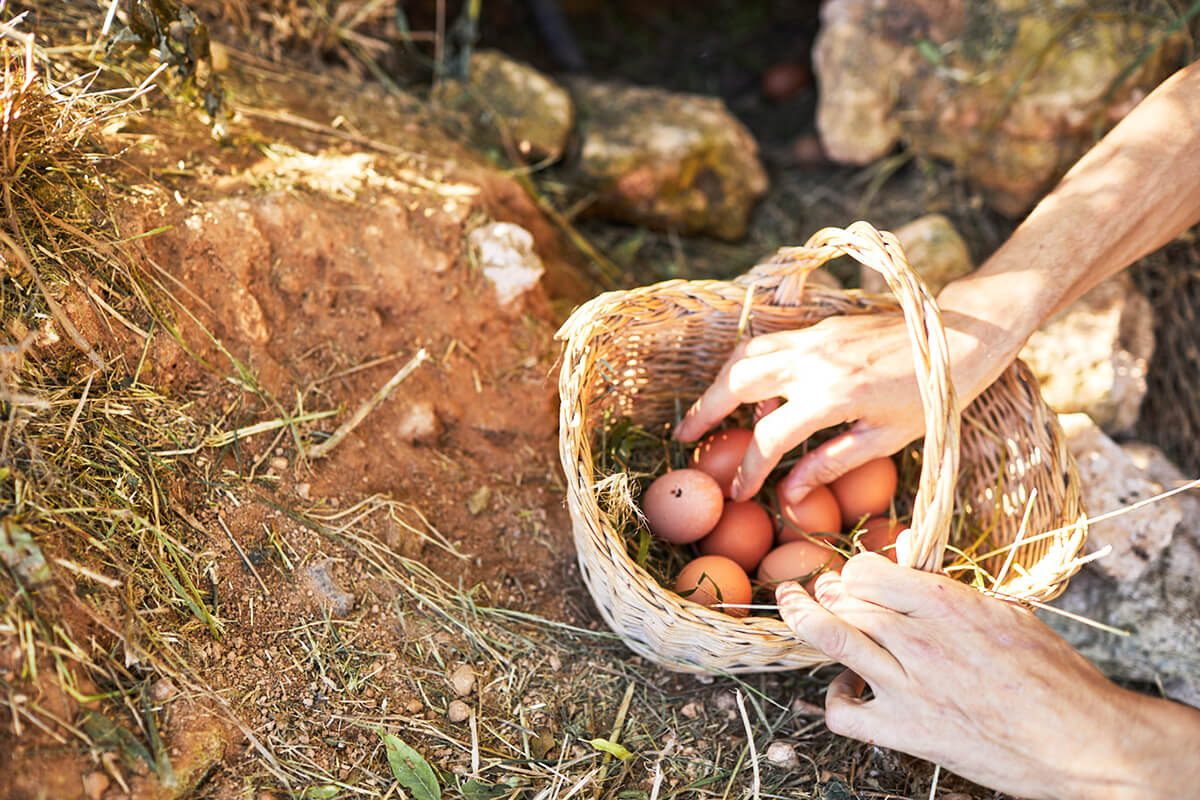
(833, 641)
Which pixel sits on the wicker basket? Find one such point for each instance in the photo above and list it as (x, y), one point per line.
(649, 352)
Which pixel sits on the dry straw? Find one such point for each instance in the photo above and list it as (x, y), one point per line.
(645, 353)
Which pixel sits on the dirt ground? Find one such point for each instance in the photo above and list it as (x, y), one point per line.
(426, 561)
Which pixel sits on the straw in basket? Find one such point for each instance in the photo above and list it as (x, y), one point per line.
(647, 352)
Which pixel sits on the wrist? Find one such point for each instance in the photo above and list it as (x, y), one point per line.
(1144, 751)
(988, 318)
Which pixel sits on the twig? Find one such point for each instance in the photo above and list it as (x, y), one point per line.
(741, 704)
(242, 553)
(615, 736)
(324, 448)
(937, 772)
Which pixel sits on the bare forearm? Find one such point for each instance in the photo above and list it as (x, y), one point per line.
(1150, 755)
(1129, 195)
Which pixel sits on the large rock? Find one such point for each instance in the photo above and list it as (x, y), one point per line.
(665, 160)
(1159, 605)
(513, 106)
(1092, 356)
(1112, 479)
(1011, 91)
(935, 251)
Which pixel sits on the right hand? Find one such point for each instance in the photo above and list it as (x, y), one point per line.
(856, 369)
(984, 688)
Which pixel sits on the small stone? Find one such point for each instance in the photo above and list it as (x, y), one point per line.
(555, 662)
(162, 690)
(414, 707)
(691, 709)
(935, 251)
(508, 260)
(463, 680)
(279, 463)
(458, 711)
(783, 755)
(303, 490)
(727, 704)
(95, 784)
(478, 501)
(418, 423)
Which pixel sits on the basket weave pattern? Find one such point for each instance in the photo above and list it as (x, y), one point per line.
(647, 353)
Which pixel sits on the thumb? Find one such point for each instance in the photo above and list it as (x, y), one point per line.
(835, 458)
(846, 713)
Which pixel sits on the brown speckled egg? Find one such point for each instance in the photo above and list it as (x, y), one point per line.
(683, 505)
(743, 533)
(879, 536)
(817, 513)
(797, 561)
(865, 491)
(715, 579)
(719, 454)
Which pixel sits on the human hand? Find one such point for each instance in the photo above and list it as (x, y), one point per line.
(855, 369)
(984, 688)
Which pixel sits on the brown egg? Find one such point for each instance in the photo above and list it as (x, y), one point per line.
(720, 453)
(743, 533)
(865, 491)
(879, 533)
(715, 579)
(797, 561)
(683, 505)
(817, 513)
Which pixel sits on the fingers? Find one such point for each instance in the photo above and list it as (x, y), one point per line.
(835, 458)
(875, 579)
(743, 379)
(774, 435)
(833, 636)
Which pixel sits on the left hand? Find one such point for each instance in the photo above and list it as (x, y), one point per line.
(843, 369)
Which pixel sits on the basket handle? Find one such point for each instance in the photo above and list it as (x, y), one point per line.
(881, 252)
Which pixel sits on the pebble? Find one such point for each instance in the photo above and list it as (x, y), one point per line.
(463, 680)
(96, 784)
(691, 710)
(458, 711)
(783, 755)
(414, 707)
(162, 690)
(279, 463)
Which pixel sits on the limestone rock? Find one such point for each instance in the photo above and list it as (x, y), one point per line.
(1111, 479)
(507, 258)
(1010, 91)
(1092, 356)
(1161, 607)
(458, 711)
(783, 755)
(418, 423)
(858, 76)
(463, 680)
(513, 106)
(666, 160)
(935, 251)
